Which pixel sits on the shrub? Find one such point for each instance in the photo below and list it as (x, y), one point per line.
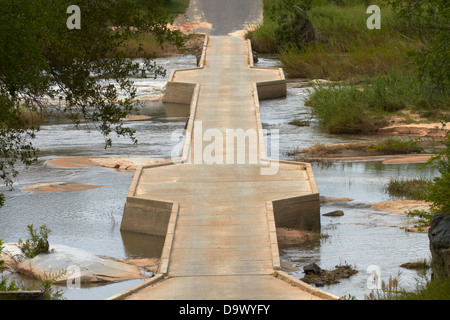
(37, 243)
(345, 48)
(439, 189)
(397, 146)
(344, 109)
(353, 108)
(407, 188)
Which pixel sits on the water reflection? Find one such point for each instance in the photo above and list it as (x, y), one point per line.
(365, 181)
(138, 245)
(177, 110)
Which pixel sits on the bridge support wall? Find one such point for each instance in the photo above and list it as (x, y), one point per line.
(146, 216)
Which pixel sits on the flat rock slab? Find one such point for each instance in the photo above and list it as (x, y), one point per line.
(65, 263)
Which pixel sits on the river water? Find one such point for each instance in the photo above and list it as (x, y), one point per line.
(90, 219)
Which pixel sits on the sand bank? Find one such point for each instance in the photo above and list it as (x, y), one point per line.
(401, 206)
(59, 187)
(113, 162)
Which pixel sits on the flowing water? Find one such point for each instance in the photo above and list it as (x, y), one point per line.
(91, 219)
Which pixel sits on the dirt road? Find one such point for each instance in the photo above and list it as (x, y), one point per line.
(224, 16)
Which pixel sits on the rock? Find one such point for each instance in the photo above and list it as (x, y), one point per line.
(11, 255)
(415, 265)
(92, 268)
(424, 130)
(416, 229)
(327, 277)
(312, 269)
(439, 235)
(328, 199)
(336, 213)
(320, 81)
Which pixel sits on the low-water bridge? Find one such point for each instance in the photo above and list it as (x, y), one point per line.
(219, 203)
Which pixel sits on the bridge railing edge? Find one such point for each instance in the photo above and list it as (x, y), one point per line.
(305, 287)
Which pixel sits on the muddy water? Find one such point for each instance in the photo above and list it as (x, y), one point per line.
(91, 219)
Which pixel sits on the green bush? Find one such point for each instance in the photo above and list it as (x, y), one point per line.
(353, 108)
(397, 146)
(37, 243)
(433, 290)
(345, 48)
(413, 189)
(344, 110)
(439, 189)
(176, 6)
(432, 58)
(423, 290)
(50, 293)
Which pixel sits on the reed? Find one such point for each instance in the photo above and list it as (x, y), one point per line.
(363, 108)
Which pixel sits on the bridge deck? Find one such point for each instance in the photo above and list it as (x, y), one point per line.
(220, 240)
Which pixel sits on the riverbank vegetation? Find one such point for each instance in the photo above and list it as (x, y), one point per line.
(46, 63)
(37, 242)
(400, 70)
(423, 290)
(379, 72)
(411, 189)
(176, 6)
(366, 107)
(438, 190)
(387, 146)
(343, 47)
(147, 43)
(17, 290)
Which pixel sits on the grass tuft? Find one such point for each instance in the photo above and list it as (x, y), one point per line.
(411, 189)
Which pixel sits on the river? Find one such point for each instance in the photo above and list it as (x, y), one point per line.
(90, 219)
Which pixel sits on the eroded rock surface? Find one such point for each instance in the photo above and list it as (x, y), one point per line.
(64, 263)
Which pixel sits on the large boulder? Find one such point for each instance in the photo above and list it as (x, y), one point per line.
(439, 235)
(65, 263)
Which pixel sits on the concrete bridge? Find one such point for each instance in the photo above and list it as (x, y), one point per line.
(219, 202)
